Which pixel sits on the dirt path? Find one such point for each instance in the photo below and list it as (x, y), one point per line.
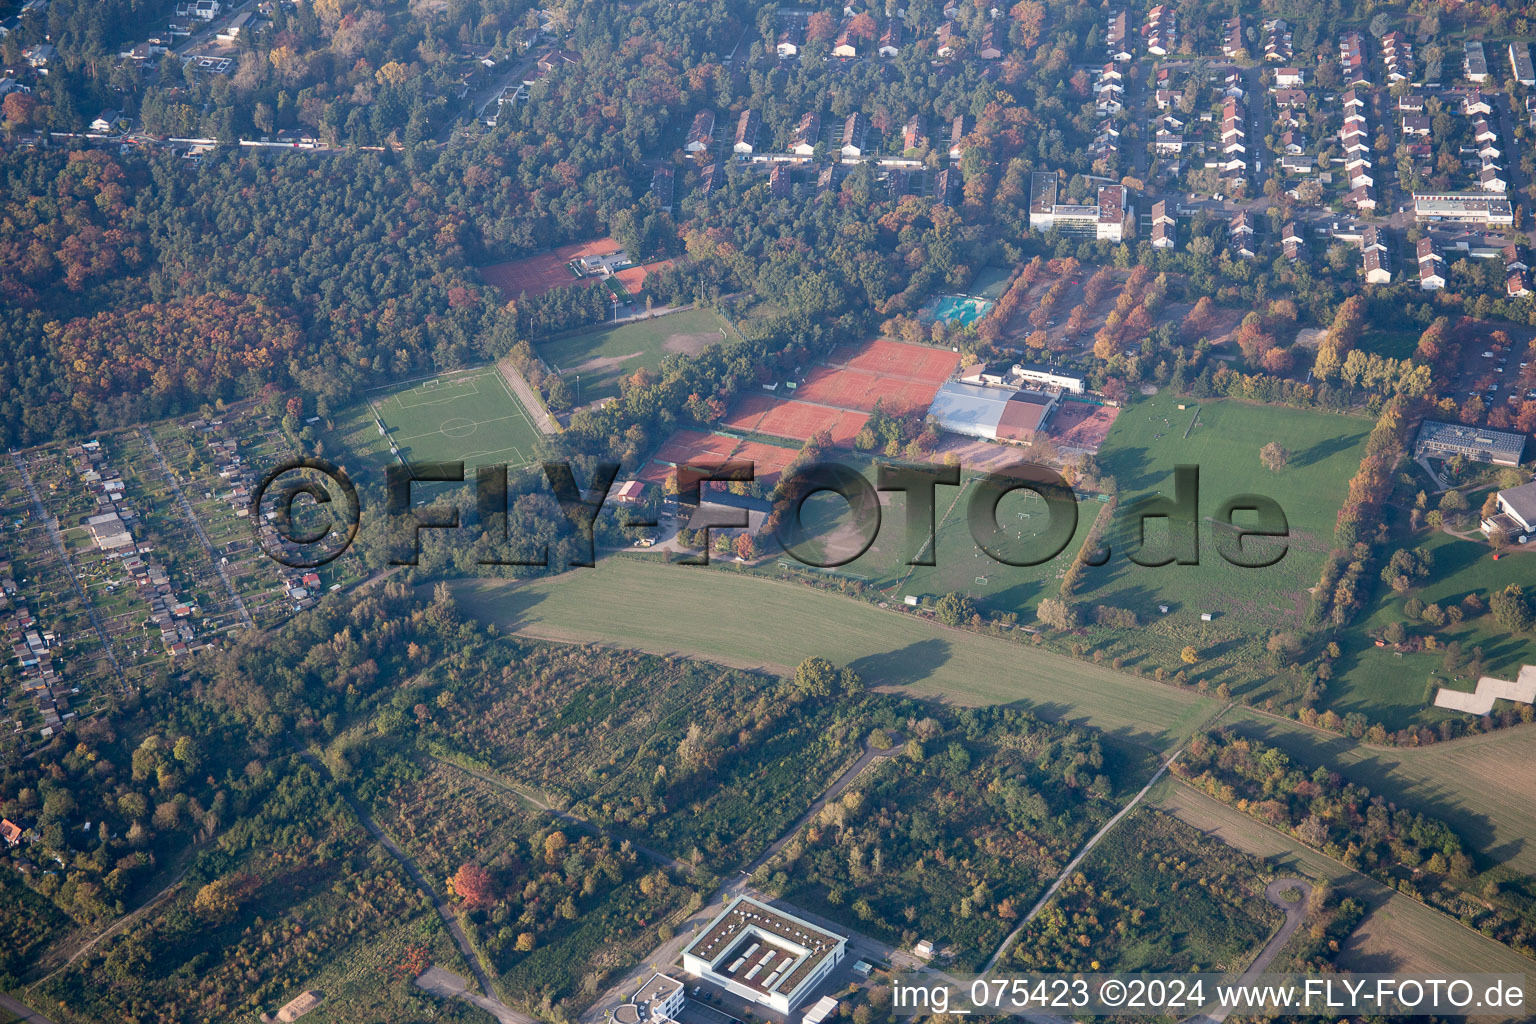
(1295, 914)
(1075, 861)
(118, 925)
(500, 1010)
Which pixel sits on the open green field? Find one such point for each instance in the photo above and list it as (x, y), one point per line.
(1148, 440)
(1146, 443)
(751, 622)
(602, 356)
(471, 416)
(1479, 785)
(1392, 687)
(960, 566)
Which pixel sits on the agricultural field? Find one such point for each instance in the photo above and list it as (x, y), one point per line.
(603, 355)
(1398, 934)
(1155, 894)
(770, 624)
(1147, 441)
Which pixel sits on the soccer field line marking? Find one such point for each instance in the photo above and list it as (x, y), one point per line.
(438, 430)
(396, 384)
(467, 388)
(519, 462)
(933, 540)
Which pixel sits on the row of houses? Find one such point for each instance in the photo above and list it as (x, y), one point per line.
(1520, 63)
(1277, 41)
(1397, 54)
(1232, 44)
(1352, 59)
(1234, 142)
(1164, 227)
(855, 140)
(1292, 244)
(1432, 266)
(1474, 62)
(1160, 31)
(990, 47)
(847, 43)
(1375, 257)
(1355, 135)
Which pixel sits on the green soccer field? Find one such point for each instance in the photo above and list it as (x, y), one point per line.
(469, 416)
(601, 357)
(960, 564)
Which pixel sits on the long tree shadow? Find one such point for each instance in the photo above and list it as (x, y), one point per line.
(904, 666)
(1323, 450)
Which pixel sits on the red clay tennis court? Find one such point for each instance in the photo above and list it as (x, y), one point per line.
(547, 271)
(837, 397)
(633, 278)
(897, 359)
(797, 421)
(685, 446)
(856, 389)
(1081, 424)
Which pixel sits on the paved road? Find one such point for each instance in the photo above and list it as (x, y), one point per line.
(443, 983)
(1510, 157)
(197, 527)
(26, 1013)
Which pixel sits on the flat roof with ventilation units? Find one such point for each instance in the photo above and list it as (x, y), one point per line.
(764, 955)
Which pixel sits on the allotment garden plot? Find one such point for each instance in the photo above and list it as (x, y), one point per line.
(470, 416)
